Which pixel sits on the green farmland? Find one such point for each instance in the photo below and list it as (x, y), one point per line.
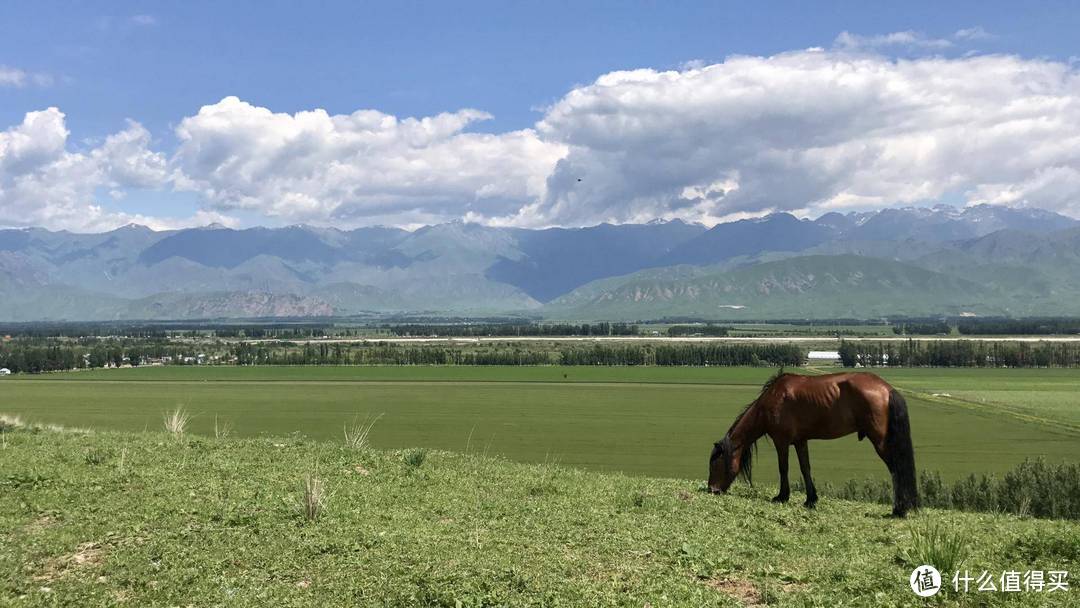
(657, 422)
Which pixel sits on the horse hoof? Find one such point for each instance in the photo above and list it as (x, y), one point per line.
(810, 504)
(780, 498)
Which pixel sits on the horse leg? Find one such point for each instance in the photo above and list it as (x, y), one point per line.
(804, 464)
(782, 459)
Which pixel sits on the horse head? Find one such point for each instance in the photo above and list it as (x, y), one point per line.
(726, 463)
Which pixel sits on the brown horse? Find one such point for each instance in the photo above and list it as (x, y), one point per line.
(793, 409)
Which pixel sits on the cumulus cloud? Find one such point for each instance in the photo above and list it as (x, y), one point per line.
(364, 167)
(43, 183)
(813, 131)
(806, 131)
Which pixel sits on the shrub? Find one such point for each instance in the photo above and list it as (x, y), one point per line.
(933, 491)
(865, 490)
(1041, 489)
(1034, 488)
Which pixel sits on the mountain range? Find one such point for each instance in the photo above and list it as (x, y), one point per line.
(982, 260)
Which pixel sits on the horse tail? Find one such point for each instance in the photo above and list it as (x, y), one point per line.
(900, 456)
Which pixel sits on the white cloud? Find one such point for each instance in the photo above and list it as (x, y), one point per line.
(364, 167)
(14, 77)
(42, 183)
(813, 130)
(806, 131)
(906, 38)
(973, 33)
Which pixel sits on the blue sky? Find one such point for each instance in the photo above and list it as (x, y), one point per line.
(102, 64)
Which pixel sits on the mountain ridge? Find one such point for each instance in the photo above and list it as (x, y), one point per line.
(461, 267)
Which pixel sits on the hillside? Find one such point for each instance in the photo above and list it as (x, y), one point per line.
(797, 287)
(145, 519)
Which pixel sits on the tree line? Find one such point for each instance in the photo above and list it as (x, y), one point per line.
(1018, 326)
(35, 356)
(698, 330)
(515, 329)
(923, 328)
(959, 353)
(597, 354)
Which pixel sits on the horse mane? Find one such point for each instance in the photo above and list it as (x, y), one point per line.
(780, 373)
(746, 461)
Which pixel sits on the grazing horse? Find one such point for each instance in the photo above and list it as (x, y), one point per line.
(793, 409)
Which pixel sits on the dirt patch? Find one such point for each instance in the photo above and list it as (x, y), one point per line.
(684, 495)
(741, 591)
(87, 555)
(39, 524)
(747, 593)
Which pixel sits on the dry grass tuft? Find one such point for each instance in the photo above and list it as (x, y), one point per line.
(176, 422)
(10, 423)
(356, 437)
(222, 431)
(313, 498)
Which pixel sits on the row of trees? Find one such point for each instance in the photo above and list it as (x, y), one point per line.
(35, 356)
(922, 328)
(1018, 326)
(270, 331)
(989, 327)
(698, 330)
(597, 354)
(515, 329)
(959, 353)
(247, 353)
(730, 354)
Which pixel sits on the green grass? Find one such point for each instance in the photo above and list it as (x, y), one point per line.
(153, 521)
(1048, 394)
(752, 376)
(645, 421)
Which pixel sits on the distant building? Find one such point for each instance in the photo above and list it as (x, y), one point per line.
(5, 371)
(824, 356)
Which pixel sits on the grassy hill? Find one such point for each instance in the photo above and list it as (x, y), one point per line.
(150, 518)
(801, 287)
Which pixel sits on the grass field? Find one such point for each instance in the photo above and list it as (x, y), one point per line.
(146, 519)
(1052, 395)
(647, 421)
